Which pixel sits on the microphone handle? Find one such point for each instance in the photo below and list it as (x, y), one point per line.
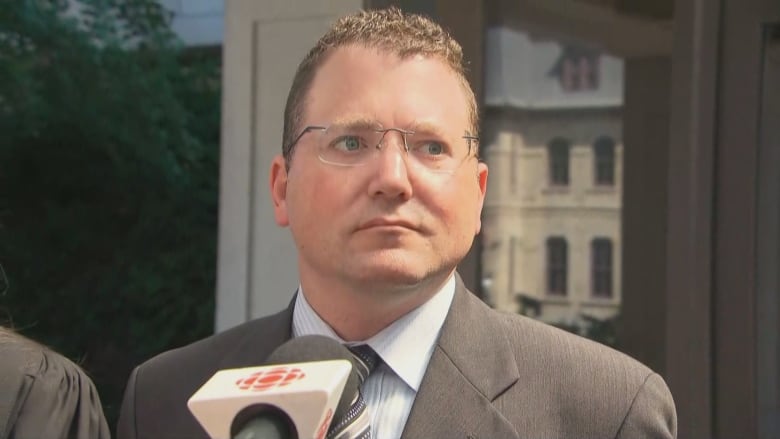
(266, 427)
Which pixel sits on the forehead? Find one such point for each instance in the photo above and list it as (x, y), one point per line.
(357, 82)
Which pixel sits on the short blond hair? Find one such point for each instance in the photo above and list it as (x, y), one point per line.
(391, 30)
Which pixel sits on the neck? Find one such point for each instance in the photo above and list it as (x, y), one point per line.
(357, 313)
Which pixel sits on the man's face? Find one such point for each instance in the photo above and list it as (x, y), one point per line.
(388, 222)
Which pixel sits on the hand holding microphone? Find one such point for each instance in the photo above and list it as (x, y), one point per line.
(309, 381)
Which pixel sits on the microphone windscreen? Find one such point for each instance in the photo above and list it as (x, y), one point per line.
(320, 348)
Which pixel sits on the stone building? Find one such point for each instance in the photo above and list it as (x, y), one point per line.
(553, 141)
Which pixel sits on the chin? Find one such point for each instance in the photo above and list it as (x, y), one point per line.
(389, 275)
(393, 275)
(399, 267)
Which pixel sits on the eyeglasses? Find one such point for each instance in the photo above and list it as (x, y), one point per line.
(350, 145)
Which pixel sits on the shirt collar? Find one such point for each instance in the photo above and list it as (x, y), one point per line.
(405, 346)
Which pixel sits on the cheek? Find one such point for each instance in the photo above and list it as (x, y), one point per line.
(316, 199)
(307, 222)
(459, 205)
(304, 207)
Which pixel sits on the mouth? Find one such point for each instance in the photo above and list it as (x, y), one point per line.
(388, 223)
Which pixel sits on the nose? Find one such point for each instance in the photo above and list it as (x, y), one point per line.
(390, 173)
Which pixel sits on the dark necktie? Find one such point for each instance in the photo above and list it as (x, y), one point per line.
(356, 423)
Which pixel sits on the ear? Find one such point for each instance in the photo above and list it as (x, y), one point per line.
(278, 186)
(482, 175)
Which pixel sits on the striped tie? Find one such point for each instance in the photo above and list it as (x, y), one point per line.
(356, 423)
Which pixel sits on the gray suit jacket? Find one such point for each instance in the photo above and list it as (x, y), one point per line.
(491, 376)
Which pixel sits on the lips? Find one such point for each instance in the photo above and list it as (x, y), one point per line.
(387, 222)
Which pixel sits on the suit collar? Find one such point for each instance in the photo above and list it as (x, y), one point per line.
(260, 338)
(471, 366)
(405, 345)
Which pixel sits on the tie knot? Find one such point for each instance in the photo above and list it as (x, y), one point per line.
(366, 360)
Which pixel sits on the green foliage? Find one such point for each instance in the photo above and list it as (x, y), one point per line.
(603, 331)
(108, 183)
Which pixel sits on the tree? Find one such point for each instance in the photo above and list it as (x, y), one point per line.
(108, 183)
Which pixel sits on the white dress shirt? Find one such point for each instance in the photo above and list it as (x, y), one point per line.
(405, 347)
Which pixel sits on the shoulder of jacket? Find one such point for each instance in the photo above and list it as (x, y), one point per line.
(565, 348)
(209, 351)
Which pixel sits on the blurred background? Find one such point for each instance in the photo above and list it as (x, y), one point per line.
(634, 192)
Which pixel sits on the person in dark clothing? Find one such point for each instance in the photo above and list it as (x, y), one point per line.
(43, 395)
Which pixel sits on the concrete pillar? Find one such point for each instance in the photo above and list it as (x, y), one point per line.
(646, 139)
(263, 44)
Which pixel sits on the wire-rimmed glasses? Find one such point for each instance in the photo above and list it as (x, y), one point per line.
(358, 144)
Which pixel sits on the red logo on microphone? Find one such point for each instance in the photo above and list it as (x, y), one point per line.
(323, 430)
(266, 379)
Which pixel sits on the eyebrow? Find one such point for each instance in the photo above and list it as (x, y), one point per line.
(421, 126)
(426, 127)
(357, 123)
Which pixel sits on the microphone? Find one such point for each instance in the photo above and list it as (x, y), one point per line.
(307, 382)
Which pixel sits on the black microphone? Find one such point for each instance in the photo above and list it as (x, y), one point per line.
(307, 382)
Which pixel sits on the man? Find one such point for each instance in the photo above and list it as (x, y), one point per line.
(380, 185)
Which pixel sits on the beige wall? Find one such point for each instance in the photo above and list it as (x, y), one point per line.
(263, 44)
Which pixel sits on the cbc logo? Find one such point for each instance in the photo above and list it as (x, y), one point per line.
(266, 379)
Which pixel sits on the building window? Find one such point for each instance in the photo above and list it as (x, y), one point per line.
(577, 69)
(601, 263)
(604, 162)
(557, 264)
(559, 162)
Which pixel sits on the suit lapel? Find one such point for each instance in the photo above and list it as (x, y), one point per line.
(470, 367)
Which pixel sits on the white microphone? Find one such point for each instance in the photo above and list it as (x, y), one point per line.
(310, 381)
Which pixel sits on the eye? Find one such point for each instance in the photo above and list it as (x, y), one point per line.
(347, 143)
(431, 148)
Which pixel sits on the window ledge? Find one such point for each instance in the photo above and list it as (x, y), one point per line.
(557, 190)
(604, 303)
(602, 189)
(555, 300)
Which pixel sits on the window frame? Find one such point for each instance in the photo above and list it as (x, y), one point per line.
(602, 268)
(557, 266)
(604, 162)
(559, 162)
